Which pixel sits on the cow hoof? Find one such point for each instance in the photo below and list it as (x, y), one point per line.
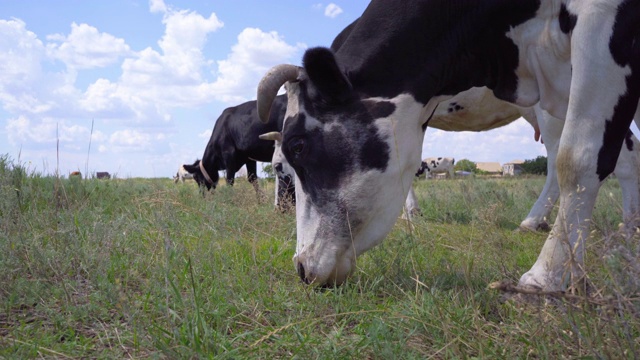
(542, 227)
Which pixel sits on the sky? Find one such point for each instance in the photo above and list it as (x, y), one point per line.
(134, 87)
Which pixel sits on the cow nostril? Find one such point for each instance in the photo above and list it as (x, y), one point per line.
(278, 167)
(302, 274)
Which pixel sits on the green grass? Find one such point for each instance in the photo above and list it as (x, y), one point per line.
(147, 268)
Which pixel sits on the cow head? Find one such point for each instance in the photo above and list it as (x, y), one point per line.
(195, 169)
(352, 171)
(285, 185)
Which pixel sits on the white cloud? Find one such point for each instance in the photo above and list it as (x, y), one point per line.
(332, 10)
(255, 52)
(22, 130)
(156, 6)
(85, 47)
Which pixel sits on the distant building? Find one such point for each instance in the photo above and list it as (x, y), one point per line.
(493, 168)
(513, 167)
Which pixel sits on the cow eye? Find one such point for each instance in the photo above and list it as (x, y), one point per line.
(297, 146)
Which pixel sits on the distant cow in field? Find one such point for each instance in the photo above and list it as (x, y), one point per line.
(437, 165)
(181, 175)
(76, 174)
(103, 175)
(234, 142)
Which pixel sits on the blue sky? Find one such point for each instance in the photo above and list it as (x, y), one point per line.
(153, 76)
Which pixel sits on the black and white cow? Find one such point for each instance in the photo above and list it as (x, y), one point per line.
(437, 165)
(355, 118)
(234, 142)
(181, 175)
(477, 109)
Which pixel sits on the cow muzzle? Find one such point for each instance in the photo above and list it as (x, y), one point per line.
(317, 275)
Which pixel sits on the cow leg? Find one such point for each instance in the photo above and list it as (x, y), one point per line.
(585, 157)
(551, 130)
(231, 166)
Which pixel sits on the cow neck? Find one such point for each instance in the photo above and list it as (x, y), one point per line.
(205, 173)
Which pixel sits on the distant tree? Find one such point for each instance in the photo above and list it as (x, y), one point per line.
(536, 166)
(268, 169)
(466, 165)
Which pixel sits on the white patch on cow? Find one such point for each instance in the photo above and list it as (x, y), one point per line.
(545, 70)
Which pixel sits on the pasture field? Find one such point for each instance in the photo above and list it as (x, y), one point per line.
(145, 268)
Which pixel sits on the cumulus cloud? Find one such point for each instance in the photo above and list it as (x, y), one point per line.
(332, 10)
(48, 131)
(255, 52)
(85, 47)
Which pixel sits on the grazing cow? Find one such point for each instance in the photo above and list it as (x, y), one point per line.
(477, 109)
(437, 165)
(103, 175)
(182, 174)
(234, 142)
(355, 118)
(76, 174)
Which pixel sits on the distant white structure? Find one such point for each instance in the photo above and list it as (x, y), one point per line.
(513, 167)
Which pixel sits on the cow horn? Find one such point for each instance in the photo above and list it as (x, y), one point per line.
(270, 84)
(273, 136)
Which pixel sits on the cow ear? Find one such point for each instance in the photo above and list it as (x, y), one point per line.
(324, 72)
(190, 168)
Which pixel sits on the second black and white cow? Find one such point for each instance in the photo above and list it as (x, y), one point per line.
(182, 174)
(355, 118)
(437, 165)
(234, 142)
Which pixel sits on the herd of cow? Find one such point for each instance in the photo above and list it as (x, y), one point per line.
(348, 134)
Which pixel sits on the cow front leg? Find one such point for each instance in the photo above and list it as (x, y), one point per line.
(596, 124)
(561, 259)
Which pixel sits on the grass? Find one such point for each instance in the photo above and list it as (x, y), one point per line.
(145, 268)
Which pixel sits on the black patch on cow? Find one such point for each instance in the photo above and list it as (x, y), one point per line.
(342, 145)
(625, 40)
(624, 45)
(628, 140)
(432, 47)
(567, 20)
(379, 109)
(454, 106)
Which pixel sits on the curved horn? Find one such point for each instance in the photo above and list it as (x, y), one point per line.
(269, 86)
(273, 136)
